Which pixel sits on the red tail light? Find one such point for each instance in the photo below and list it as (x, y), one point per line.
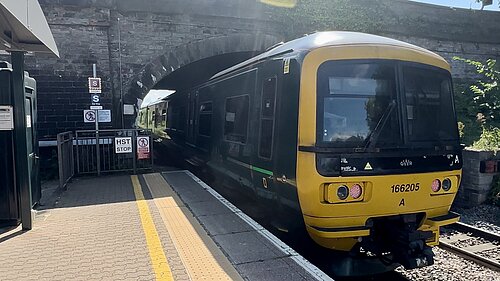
(436, 185)
(356, 191)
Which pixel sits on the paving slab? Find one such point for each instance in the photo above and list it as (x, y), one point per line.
(224, 224)
(245, 247)
(91, 234)
(206, 208)
(273, 269)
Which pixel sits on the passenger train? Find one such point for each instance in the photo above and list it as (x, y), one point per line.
(353, 136)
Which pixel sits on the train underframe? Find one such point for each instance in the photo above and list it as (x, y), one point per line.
(391, 241)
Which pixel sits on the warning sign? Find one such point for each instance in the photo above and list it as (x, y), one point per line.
(123, 145)
(143, 151)
(89, 116)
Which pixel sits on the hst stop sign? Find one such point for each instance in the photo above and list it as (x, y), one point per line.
(123, 145)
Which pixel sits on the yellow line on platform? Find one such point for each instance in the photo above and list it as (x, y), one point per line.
(156, 253)
(201, 257)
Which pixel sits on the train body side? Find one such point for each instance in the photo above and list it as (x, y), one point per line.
(252, 147)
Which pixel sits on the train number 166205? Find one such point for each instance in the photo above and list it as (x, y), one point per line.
(408, 187)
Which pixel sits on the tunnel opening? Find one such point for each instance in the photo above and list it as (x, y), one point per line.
(200, 71)
(189, 65)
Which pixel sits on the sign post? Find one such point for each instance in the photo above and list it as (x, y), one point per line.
(95, 88)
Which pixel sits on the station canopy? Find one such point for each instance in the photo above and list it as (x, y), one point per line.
(23, 27)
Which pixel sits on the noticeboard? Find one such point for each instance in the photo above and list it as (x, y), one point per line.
(6, 118)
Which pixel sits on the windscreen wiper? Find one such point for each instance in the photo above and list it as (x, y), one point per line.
(374, 135)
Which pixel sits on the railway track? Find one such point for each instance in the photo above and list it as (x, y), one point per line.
(472, 243)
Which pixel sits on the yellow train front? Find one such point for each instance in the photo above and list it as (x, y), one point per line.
(379, 160)
(353, 136)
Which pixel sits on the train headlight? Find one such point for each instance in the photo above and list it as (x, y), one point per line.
(356, 191)
(446, 184)
(436, 185)
(342, 192)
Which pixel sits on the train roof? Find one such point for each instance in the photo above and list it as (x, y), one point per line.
(155, 97)
(324, 39)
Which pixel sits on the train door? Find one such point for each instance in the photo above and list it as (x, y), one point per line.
(266, 139)
(285, 150)
(33, 158)
(192, 117)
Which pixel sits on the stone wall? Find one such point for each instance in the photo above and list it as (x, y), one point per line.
(158, 36)
(475, 186)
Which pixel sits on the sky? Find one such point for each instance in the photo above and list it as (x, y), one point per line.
(467, 4)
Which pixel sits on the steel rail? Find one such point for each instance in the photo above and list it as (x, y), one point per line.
(477, 233)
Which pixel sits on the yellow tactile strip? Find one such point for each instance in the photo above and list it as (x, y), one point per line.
(202, 259)
(156, 253)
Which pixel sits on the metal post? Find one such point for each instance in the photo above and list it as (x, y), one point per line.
(134, 150)
(20, 146)
(120, 73)
(72, 157)
(77, 153)
(60, 159)
(151, 143)
(98, 151)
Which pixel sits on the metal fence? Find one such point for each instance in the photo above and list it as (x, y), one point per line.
(106, 151)
(65, 158)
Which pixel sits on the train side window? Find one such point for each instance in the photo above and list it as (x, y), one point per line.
(268, 108)
(236, 118)
(205, 119)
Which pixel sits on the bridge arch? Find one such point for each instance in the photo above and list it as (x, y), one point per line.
(185, 54)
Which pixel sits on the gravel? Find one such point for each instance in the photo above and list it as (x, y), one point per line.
(485, 216)
(448, 266)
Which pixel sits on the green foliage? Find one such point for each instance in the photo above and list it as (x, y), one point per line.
(309, 16)
(479, 105)
(489, 140)
(494, 196)
(461, 128)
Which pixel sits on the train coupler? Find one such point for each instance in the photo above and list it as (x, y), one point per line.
(412, 251)
(399, 236)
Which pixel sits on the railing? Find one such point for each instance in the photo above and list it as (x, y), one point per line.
(65, 158)
(106, 151)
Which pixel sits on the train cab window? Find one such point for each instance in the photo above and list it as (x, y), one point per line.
(236, 118)
(205, 119)
(429, 105)
(267, 117)
(355, 99)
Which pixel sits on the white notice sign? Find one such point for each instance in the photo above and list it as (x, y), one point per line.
(6, 118)
(128, 109)
(123, 145)
(104, 116)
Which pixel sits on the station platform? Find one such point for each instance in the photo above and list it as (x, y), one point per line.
(160, 226)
